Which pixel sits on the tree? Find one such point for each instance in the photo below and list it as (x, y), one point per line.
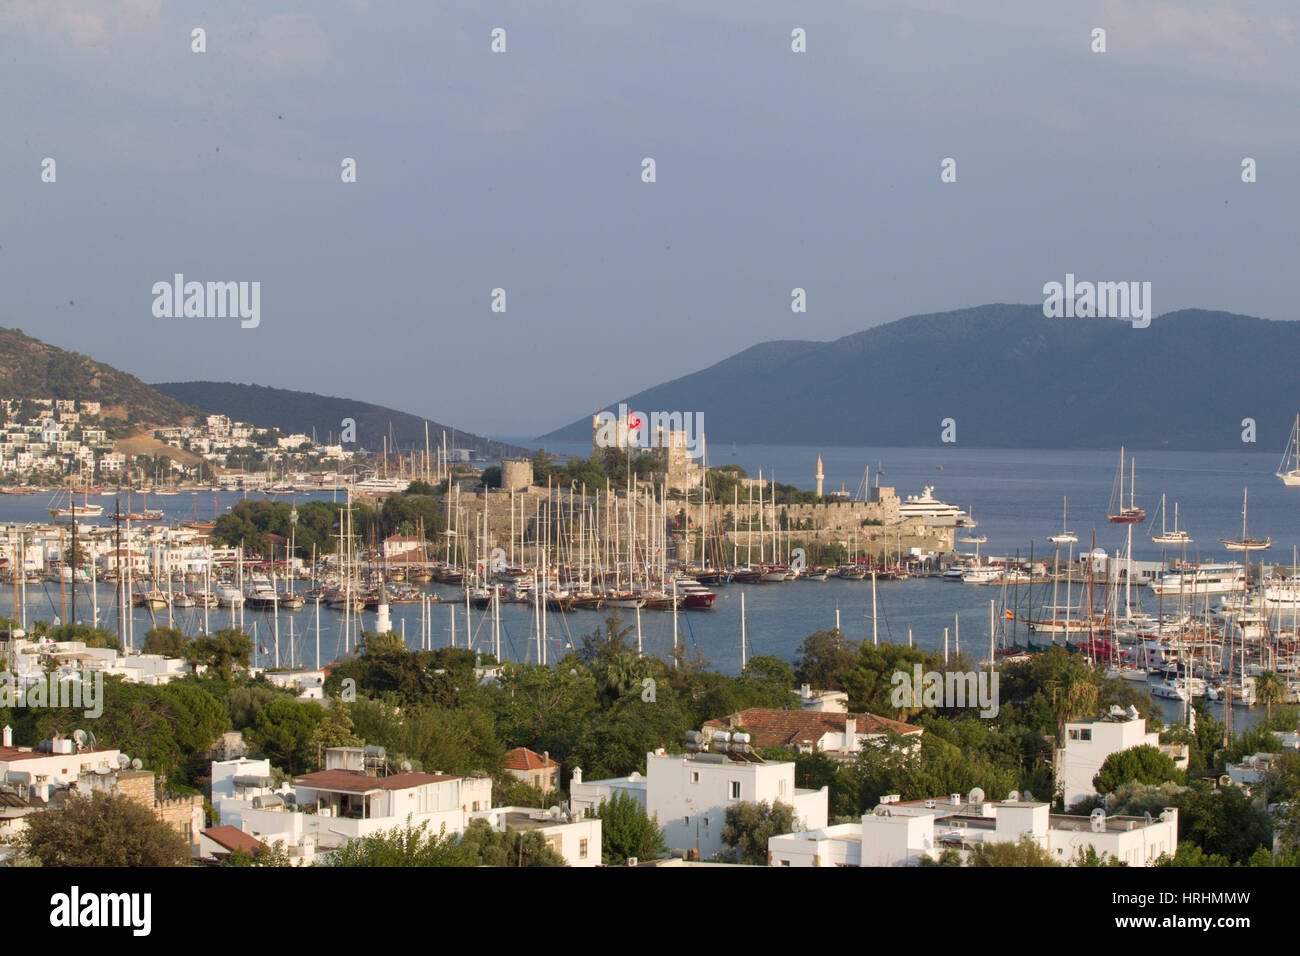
(222, 651)
(335, 730)
(167, 641)
(748, 827)
(1025, 852)
(102, 830)
(403, 846)
(509, 847)
(1271, 689)
(626, 831)
(1141, 764)
(822, 657)
(284, 730)
(273, 855)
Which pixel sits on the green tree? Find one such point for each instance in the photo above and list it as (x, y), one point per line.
(402, 846)
(167, 641)
(102, 830)
(274, 855)
(1141, 764)
(749, 826)
(222, 651)
(1270, 689)
(1025, 852)
(284, 730)
(626, 831)
(509, 847)
(823, 657)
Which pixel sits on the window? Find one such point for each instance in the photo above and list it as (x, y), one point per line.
(582, 849)
(695, 776)
(686, 820)
(735, 790)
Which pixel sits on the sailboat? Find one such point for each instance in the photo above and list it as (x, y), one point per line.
(1245, 543)
(1066, 536)
(1131, 514)
(1289, 469)
(1176, 536)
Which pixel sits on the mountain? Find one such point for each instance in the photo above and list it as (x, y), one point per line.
(30, 368)
(301, 412)
(1009, 377)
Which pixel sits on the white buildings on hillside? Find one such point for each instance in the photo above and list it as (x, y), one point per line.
(349, 799)
(1089, 742)
(903, 834)
(689, 794)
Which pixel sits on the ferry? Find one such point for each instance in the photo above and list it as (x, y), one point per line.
(935, 513)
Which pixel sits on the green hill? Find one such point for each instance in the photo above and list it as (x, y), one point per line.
(302, 412)
(1008, 376)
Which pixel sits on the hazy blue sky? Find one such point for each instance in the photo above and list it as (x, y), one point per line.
(522, 170)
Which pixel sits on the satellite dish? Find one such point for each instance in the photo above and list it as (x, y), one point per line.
(123, 761)
(976, 795)
(406, 766)
(137, 764)
(80, 737)
(1013, 796)
(1026, 795)
(93, 741)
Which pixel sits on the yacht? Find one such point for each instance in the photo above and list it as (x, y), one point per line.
(935, 513)
(1200, 580)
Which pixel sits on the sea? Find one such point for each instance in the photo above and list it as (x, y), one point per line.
(1016, 496)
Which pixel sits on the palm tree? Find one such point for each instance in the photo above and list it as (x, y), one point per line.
(1271, 690)
(1073, 696)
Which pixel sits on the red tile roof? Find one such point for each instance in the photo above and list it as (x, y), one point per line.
(788, 728)
(521, 758)
(350, 781)
(233, 838)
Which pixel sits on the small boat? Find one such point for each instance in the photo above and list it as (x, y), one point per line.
(1170, 690)
(1289, 469)
(695, 596)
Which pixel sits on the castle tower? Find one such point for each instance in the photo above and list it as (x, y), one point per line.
(820, 476)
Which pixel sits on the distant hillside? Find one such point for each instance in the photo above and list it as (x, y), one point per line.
(30, 368)
(1009, 377)
(292, 411)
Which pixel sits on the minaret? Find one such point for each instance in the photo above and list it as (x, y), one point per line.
(820, 476)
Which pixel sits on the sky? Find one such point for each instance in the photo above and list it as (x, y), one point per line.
(522, 170)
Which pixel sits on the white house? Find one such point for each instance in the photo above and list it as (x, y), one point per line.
(903, 834)
(1089, 742)
(689, 794)
(576, 839)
